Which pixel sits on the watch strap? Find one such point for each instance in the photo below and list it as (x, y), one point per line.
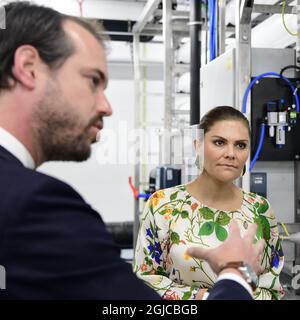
(238, 265)
(232, 264)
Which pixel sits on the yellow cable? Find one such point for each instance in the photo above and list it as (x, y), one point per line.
(283, 21)
(285, 228)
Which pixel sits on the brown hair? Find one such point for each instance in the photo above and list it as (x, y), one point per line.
(42, 28)
(222, 113)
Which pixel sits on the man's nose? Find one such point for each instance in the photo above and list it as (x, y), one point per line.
(104, 106)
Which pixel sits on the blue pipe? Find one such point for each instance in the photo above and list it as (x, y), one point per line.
(209, 30)
(214, 28)
(266, 75)
(211, 17)
(261, 140)
(144, 195)
(262, 128)
(211, 34)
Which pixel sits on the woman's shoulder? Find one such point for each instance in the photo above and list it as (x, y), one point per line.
(253, 195)
(168, 192)
(258, 201)
(166, 195)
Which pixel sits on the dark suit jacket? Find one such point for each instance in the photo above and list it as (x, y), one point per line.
(53, 245)
(228, 290)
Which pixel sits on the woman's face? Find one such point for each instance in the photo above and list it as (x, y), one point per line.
(226, 149)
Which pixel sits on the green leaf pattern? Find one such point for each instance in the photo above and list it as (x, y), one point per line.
(207, 229)
(206, 213)
(174, 220)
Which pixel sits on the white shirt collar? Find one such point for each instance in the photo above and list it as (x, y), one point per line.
(15, 147)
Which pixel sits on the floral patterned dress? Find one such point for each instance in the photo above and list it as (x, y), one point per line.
(174, 220)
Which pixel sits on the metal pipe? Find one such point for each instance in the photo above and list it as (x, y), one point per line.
(195, 31)
(137, 106)
(148, 10)
(221, 26)
(168, 39)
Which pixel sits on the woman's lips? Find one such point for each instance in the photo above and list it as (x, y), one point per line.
(227, 166)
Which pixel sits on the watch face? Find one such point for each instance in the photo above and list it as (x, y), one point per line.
(246, 272)
(250, 274)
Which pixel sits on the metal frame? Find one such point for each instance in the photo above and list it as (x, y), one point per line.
(297, 164)
(137, 80)
(244, 10)
(168, 63)
(265, 8)
(142, 26)
(243, 77)
(173, 27)
(243, 66)
(221, 26)
(137, 29)
(148, 10)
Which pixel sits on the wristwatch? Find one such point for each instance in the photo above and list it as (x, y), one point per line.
(245, 270)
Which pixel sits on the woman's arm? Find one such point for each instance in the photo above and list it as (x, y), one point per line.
(151, 257)
(269, 286)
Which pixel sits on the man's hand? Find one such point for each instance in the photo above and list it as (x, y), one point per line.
(234, 248)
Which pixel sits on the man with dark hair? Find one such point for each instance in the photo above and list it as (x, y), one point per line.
(53, 245)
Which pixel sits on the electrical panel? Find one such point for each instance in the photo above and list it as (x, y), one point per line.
(258, 183)
(272, 102)
(167, 177)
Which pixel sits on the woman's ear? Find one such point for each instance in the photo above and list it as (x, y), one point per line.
(197, 145)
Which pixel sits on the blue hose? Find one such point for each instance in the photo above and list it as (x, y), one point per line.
(210, 30)
(266, 75)
(262, 128)
(261, 140)
(211, 17)
(214, 28)
(212, 33)
(144, 195)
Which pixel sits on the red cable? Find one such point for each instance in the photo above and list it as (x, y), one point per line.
(134, 190)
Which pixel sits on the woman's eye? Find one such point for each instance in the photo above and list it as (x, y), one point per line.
(218, 142)
(242, 145)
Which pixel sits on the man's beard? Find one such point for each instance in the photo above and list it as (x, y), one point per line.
(58, 130)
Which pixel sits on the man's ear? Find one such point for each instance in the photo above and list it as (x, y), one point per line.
(25, 66)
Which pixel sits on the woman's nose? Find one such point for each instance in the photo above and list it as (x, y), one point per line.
(230, 152)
